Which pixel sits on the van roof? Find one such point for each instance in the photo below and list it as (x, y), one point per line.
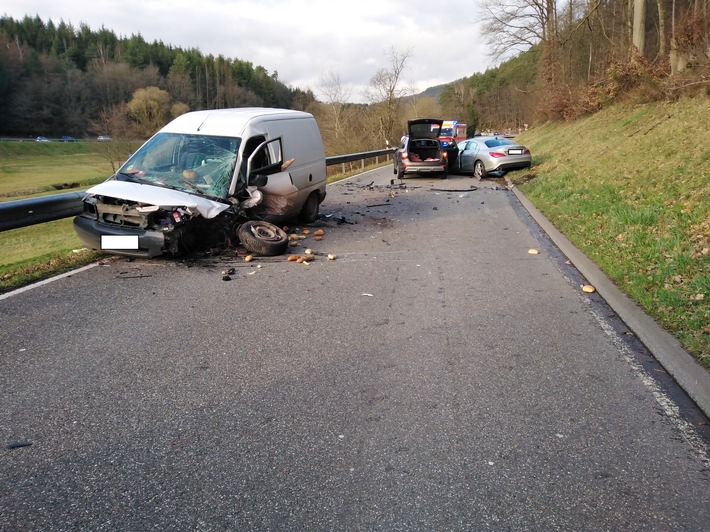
(228, 122)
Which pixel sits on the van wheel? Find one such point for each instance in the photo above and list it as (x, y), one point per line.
(262, 238)
(309, 213)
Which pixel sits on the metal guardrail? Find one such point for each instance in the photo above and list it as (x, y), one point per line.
(31, 211)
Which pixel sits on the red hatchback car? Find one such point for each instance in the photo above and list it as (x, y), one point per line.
(419, 151)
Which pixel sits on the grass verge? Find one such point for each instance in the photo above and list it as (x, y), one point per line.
(39, 251)
(632, 190)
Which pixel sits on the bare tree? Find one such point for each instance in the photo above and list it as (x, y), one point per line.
(336, 97)
(512, 26)
(114, 121)
(516, 25)
(385, 93)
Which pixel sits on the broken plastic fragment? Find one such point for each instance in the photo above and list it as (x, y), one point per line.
(255, 197)
(18, 444)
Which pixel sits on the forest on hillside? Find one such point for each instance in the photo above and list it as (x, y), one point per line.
(56, 79)
(559, 59)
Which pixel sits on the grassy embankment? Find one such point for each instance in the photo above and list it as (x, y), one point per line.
(630, 186)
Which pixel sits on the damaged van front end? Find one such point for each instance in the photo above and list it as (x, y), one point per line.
(199, 179)
(156, 220)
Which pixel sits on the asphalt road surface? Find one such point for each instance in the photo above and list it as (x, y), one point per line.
(435, 376)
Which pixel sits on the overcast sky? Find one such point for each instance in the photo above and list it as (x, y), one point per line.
(300, 39)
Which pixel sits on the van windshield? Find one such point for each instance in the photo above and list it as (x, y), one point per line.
(198, 164)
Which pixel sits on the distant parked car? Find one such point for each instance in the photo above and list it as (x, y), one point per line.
(104, 138)
(42, 139)
(67, 138)
(419, 151)
(482, 156)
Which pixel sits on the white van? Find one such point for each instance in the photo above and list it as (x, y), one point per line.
(202, 175)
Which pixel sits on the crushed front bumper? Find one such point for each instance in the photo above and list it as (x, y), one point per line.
(150, 243)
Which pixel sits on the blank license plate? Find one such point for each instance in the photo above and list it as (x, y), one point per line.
(515, 151)
(119, 242)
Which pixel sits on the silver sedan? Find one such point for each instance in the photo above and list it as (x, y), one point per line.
(482, 156)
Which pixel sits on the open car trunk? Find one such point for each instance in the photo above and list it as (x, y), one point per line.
(421, 150)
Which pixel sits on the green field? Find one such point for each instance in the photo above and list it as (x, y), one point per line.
(630, 186)
(32, 168)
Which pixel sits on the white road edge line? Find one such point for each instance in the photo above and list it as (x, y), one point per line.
(47, 281)
(668, 406)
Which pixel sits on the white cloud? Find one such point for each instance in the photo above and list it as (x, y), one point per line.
(299, 39)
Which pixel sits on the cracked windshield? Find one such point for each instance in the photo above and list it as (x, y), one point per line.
(190, 163)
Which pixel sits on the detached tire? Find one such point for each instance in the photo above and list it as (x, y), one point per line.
(263, 238)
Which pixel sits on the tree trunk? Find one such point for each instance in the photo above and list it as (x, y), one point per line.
(639, 27)
(661, 28)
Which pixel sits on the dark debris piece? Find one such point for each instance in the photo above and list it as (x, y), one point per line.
(18, 444)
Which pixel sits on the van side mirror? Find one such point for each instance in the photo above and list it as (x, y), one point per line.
(258, 180)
